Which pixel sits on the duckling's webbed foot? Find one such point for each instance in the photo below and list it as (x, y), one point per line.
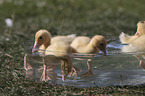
(64, 76)
(44, 76)
(74, 71)
(47, 73)
(89, 72)
(52, 76)
(27, 66)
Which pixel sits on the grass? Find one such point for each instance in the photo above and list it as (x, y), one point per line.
(61, 17)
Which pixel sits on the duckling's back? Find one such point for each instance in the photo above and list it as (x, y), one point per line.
(59, 49)
(81, 41)
(67, 39)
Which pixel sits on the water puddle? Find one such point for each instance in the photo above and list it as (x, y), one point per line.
(117, 69)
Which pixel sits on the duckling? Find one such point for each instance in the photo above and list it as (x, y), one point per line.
(42, 41)
(86, 45)
(61, 52)
(135, 42)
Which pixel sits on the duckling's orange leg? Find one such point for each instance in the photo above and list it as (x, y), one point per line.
(89, 71)
(49, 68)
(44, 76)
(27, 66)
(47, 73)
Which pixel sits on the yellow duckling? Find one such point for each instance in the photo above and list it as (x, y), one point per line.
(134, 43)
(42, 41)
(86, 45)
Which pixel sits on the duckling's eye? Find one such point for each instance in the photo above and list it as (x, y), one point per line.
(101, 44)
(40, 37)
(141, 22)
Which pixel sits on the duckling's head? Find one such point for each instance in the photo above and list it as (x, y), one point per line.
(42, 37)
(140, 28)
(100, 42)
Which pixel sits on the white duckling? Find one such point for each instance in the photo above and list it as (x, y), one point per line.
(140, 28)
(86, 45)
(134, 43)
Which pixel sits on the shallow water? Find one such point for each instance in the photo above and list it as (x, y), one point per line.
(117, 69)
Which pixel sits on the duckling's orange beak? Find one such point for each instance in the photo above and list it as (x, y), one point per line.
(36, 47)
(104, 52)
(137, 34)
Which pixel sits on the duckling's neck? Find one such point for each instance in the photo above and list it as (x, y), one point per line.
(46, 45)
(141, 30)
(90, 48)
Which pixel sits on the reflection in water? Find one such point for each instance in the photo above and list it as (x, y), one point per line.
(117, 69)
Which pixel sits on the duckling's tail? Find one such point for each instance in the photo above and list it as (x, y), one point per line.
(124, 38)
(72, 35)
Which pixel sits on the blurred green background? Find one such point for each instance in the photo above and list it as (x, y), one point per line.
(60, 17)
